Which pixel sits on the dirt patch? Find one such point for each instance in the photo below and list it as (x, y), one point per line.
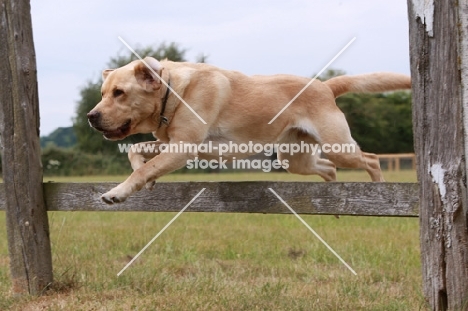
(295, 253)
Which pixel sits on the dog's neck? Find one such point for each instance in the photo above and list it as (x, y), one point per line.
(162, 118)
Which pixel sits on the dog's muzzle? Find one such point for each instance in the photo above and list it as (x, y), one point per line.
(94, 119)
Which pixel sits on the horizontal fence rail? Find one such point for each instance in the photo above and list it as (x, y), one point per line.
(335, 198)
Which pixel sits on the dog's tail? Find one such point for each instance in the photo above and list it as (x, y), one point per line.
(369, 83)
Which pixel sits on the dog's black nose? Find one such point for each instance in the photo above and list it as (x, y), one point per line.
(94, 117)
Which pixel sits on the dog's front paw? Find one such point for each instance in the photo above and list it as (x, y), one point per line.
(114, 196)
(111, 199)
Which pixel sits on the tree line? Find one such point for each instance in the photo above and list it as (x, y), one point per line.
(380, 123)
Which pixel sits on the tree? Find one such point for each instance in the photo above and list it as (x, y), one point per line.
(380, 123)
(170, 51)
(63, 137)
(90, 140)
(330, 73)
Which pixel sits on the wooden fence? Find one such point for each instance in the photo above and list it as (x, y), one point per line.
(393, 160)
(359, 199)
(439, 69)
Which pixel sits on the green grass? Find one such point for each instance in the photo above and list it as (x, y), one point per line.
(208, 261)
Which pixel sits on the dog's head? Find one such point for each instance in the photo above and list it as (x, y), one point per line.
(131, 100)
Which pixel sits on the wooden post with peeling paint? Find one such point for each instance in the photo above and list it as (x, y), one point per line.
(26, 215)
(439, 69)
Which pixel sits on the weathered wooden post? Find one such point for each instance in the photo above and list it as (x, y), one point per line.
(439, 69)
(27, 223)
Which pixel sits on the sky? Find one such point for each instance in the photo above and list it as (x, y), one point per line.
(74, 40)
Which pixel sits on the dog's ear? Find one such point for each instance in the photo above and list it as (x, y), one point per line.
(105, 73)
(149, 78)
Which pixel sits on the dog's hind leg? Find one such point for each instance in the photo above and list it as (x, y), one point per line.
(368, 161)
(306, 162)
(340, 148)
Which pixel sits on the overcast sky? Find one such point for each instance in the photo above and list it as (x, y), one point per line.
(75, 39)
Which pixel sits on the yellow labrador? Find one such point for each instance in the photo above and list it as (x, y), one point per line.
(236, 108)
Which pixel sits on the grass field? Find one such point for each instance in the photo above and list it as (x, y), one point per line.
(208, 261)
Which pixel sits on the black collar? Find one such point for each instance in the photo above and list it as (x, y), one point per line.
(162, 118)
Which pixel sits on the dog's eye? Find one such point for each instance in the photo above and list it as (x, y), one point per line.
(117, 92)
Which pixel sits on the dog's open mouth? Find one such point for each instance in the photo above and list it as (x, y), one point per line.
(119, 133)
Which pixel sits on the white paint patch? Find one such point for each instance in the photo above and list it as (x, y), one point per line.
(437, 173)
(424, 9)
